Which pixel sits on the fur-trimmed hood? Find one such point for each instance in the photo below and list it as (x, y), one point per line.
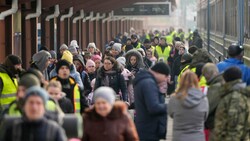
(138, 55)
(119, 110)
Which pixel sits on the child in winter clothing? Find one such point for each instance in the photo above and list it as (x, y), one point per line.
(149, 55)
(128, 77)
(134, 61)
(55, 91)
(90, 96)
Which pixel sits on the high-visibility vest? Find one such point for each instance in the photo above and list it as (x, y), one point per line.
(181, 36)
(76, 95)
(169, 39)
(138, 46)
(163, 54)
(147, 36)
(9, 90)
(202, 81)
(13, 111)
(173, 34)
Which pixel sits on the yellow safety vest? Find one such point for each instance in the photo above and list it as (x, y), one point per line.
(138, 46)
(202, 81)
(173, 34)
(76, 95)
(13, 111)
(181, 36)
(148, 37)
(8, 93)
(163, 54)
(169, 39)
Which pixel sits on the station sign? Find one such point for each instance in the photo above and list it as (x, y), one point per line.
(145, 9)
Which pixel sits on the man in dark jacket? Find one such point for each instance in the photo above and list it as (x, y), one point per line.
(151, 110)
(9, 70)
(34, 126)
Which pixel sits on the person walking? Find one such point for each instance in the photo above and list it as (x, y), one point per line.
(150, 107)
(108, 120)
(189, 109)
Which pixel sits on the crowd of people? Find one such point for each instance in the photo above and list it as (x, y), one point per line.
(208, 102)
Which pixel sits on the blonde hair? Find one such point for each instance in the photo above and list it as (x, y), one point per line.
(188, 80)
(54, 83)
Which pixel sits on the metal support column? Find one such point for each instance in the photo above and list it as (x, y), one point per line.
(208, 24)
(241, 21)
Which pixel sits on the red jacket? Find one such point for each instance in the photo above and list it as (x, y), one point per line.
(117, 126)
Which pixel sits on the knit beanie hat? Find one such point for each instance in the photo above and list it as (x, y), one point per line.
(90, 63)
(161, 68)
(232, 74)
(74, 44)
(92, 45)
(105, 93)
(121, 60)
(64, 47)
(67, 56)
(28, 80)
(37, 91)
(61, 63)
(117, 47)
(40, 59)
(96, 57)
(13, 59)
(53, 54)
(72, 50)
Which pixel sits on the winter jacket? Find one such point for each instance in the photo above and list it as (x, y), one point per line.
(41, 130)
(176, 67)
(128, 77)
(113, 79)
(222, 66)
(139, 64)
(73, 73)
(66, 105)
(231, 117)
(214, 92)
(117, 126)
(150, 107)
(189, 115)
(86, 83)
(72, 91)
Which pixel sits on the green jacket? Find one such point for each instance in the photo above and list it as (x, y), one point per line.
(214, 92)
(231, 117)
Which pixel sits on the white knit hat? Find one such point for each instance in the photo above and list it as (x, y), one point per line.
(92, 45)
(73, 43)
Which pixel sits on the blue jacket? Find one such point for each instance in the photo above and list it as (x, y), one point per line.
(150, 107)
(73, 73)
(222, 66)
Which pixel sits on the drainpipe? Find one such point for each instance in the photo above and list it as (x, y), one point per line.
(96, 18)
(241, 22)
(224, 30)
(14, 8)
(55, 14)
(38, 11)
(67, 15)
(89, 17)
(108, 18)
(103, 16)
(81, 16)
(208, 25)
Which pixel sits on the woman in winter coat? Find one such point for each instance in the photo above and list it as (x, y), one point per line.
(80, 67)
(110, 75)
(108, 120)
(189, 109)
(134, 61)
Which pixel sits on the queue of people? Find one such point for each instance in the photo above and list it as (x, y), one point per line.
(208, 102)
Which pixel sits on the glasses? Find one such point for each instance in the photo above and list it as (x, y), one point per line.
(91, 66)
